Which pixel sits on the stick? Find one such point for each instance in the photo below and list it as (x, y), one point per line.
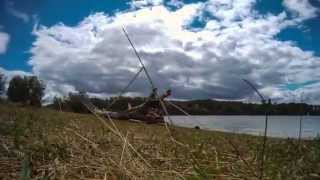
(263, 146)
(300, 121)
(126, 88)
(265, 127)
(123, 149)
(139, 58)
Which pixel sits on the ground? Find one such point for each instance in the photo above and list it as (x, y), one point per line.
(39, 143)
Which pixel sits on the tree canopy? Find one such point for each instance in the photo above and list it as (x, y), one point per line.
(2, 83)
(27, 90)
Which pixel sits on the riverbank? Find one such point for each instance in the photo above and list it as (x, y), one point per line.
(42, 143)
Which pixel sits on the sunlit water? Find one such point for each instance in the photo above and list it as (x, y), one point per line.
(278, 126)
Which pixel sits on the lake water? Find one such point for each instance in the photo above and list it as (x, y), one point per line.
(278, 126)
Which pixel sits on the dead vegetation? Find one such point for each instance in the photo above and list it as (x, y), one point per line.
(45, 144)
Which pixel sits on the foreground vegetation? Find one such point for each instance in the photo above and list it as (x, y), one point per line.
(38, 143)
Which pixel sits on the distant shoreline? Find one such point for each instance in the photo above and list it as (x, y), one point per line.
(243, 115)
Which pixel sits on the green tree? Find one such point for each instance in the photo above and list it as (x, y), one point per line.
(35, 90)
(18, 89)
(2, 83)
(75, 102)
(57, 103)
(28, 90)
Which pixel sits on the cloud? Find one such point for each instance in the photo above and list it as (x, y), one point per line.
(143, 3)
(175, 3)
(230, 10)
(9, 5)
(301, 8)
(11, 73)
(4, 40)
(95, 56)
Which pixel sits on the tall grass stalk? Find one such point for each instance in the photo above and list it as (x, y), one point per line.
(264, 145)
(266, 108)
(300, 120)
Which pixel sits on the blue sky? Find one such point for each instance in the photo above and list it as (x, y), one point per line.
(48, 13)
(26, 23)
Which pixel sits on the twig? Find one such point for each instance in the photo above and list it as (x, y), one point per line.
(139, 58)
(300, 120)
(123, 149)
(169, 118)
(263, 100)
(82, 137)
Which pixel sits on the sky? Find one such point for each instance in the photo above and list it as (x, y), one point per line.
(199, 49)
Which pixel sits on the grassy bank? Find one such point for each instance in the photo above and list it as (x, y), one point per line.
(45, 144)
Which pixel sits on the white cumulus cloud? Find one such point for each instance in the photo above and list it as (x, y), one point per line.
(301, 8)
(11, 73)
(95, 56)
(144, 3)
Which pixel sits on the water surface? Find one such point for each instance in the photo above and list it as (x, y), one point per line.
(279, 126)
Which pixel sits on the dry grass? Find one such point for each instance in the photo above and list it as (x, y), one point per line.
(45, 144)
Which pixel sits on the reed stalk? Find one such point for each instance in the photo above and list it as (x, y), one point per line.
(264, 143)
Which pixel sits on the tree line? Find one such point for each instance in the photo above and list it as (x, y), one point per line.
(194, 107)
(74, 103)
(29, 90)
